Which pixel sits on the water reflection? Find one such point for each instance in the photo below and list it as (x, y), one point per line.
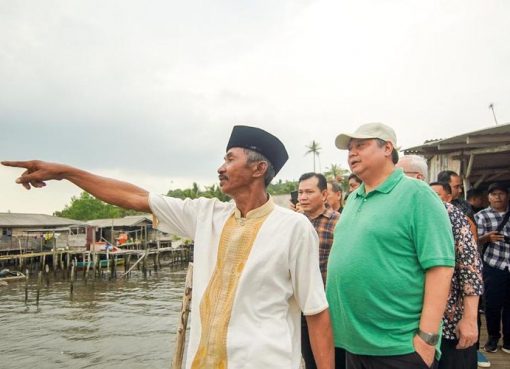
(107, 324)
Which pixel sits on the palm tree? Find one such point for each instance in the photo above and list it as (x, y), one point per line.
(314, 148)
(335, 172)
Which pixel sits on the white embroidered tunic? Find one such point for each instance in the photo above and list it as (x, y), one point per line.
(246, 304)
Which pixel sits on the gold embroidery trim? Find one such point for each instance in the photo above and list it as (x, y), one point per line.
(216, 306)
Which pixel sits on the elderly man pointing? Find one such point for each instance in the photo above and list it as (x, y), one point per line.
(256, 264)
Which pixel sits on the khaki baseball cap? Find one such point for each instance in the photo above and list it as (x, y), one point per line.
(366, 131)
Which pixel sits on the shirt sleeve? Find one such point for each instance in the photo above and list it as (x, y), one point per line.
(480, 223)
(176, 216)
(305, 272)
(431, 230)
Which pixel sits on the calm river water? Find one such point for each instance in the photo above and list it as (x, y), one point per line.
(108, 324)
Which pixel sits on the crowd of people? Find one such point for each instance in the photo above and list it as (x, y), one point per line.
(389, 275)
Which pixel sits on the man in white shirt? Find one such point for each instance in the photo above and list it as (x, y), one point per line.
(256, 264)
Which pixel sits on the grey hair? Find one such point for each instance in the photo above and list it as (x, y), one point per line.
(254, 156)
(418, 164)
(335, 186)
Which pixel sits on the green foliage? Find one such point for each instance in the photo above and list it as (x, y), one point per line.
(278, 188)
(215, 191)
(336, 172)
(191, 193)
(195, 192)
(87, 207)
(282, 188)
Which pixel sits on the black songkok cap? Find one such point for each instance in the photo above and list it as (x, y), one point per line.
(258, 140)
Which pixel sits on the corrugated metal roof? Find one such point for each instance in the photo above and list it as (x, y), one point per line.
(22, 220)
(483, 154)
(481, 138)
(129, 221)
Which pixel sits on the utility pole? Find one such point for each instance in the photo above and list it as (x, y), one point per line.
(491, 107)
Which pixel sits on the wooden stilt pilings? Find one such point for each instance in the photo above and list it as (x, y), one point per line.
(148, 259)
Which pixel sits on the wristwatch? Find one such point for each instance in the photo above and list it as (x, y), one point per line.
(429, 338)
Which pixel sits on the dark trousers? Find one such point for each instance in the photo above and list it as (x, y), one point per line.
(306, 350)
(306, 347)
(407, 361)
(497, 302)
(452, 358)
(340, 358)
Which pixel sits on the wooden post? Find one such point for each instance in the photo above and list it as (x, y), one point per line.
(72, 280)
(113, 262)
(47, 274)
(144, 262)
(88, 266)
(181, 329)
(61, 263)
(94, 252)
(54, 256)
(26, 286)
(39, 282)
(128, 266)
(94, 263)
(68, 262)
(84, 271)
(157, 264)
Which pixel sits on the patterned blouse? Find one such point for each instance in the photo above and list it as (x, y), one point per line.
(467, 276)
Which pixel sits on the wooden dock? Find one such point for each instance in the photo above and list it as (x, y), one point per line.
(98, 262)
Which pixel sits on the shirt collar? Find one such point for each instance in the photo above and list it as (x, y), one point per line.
(387, 186)
(259, 212)
(328, 213)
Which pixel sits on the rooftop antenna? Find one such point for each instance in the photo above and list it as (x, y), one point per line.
(491, 107)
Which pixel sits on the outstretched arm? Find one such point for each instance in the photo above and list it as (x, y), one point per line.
(110, 190)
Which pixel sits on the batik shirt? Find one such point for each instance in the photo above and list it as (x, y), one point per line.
(467, 276)
(497, 254)
(324, 224)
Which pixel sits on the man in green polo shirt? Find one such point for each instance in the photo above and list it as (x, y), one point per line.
(391, 263)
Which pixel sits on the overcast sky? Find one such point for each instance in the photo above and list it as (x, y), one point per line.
(149, 91)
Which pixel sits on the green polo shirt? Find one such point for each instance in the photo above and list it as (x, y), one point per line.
(383, 244)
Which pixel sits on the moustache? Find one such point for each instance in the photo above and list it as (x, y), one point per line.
(222, 177)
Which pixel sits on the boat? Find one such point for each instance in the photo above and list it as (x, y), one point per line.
(103, 263)
(7, 275)
(107, 253)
